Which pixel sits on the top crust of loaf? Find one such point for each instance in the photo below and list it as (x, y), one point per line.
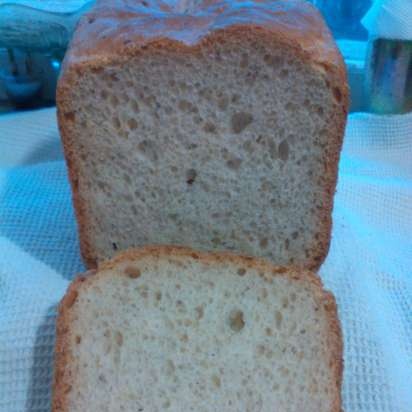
(115, 28)
(63, 381)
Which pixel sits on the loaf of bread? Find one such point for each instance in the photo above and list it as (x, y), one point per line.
(171, 329)
(214, 124)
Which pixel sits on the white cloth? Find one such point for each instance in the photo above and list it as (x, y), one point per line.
(390, 19)
(369, 266)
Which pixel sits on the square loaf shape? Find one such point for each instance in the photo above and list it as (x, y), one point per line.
(214, 124)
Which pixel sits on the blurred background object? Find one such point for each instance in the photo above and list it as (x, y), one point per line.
(388, 68)
(34, 36)
(388, 77)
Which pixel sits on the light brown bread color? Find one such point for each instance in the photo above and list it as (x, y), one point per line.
(213, 124)
(172, 329)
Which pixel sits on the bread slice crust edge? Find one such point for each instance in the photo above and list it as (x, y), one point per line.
(64, 380)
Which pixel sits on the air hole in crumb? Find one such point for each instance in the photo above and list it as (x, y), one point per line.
(260, 349)
(263, 243)
(285, 302)
(116, 122)
(241, 271)
(209, 127)
(132, 124)
(180, 306)
(91, 20)
(244, 61)
(295, 235)
(216, 381)
(290, 107)
(190, 176)
(234, 163)
(278, 319)
(283, 150)
(240, 121)
(268, 332)
(149, 149)
(284, 73)
(132, 271)
(158, 296)
(284, 371)
(119, 338)
(114, 246)
(222, 103)
(267, 58)
(78, 339)
(135, 106)
(235, 98)
(185, 105)
(236, 320)
(145, 3)
(199, 312)
(114, 100)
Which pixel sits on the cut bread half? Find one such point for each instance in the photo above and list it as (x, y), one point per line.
(172, 329)
(211, 124)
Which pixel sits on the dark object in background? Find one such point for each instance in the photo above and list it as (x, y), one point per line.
(35, 39)
(28, 79)
(389, 76)
(22, 88)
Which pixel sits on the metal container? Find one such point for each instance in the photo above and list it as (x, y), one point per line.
(388, 76)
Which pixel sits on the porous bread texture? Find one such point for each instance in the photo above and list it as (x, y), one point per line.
(229, 143)
(171, 329)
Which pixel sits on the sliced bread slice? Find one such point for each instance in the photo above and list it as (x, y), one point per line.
(166, 328)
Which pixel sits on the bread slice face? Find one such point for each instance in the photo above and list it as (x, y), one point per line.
(219, 128)
(171, 329)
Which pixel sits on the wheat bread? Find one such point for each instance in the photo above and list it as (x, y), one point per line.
(171, 329)
(211, 124)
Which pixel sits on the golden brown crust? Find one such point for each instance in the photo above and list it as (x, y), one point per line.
(117, 31)
(62, 375)
(114, 26)
(62, 380)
